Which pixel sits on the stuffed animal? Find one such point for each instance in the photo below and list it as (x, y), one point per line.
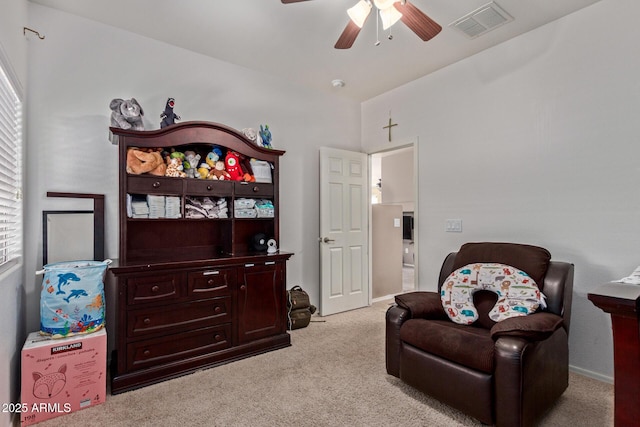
(177, 154)
(250, 134)
(126, 114)
(175, 168)
(211, 159)
(265, 136)
(218, 172)
(139, 162)
(247, 170)
(203, 170)
(213, 156)
(232, 165)
(190, 164)
(168, 116)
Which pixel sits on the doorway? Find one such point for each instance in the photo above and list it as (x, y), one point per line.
(393, 203)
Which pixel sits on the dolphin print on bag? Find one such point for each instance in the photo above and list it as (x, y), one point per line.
(72, 298)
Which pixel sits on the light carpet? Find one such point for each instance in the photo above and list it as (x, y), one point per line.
(333, 375)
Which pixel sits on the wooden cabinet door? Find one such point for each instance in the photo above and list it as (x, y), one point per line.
(260, 301)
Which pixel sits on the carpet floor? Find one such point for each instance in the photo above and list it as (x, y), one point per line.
(333, 375)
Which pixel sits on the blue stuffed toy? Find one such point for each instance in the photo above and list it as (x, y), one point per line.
(265, 136)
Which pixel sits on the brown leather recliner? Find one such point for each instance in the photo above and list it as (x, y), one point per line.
(507, 373)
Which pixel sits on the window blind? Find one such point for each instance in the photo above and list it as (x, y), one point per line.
(10, 171)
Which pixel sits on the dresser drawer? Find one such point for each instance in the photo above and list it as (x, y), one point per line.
(254, 189)
(211, 283)
(153, 185)
(179, 317)
(147, 289)
(207, 187)
(177, 347)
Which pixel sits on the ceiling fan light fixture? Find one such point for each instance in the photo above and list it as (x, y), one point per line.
(360, 12)
(389, 16)
(384, 4)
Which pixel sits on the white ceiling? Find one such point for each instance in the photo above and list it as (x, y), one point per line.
(296, 40)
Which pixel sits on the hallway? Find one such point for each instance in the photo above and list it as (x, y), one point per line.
(408, 278)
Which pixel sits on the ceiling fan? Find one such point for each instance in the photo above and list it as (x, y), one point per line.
(390, 12)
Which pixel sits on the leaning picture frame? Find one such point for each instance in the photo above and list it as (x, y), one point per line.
(67, 236)
(71, 235)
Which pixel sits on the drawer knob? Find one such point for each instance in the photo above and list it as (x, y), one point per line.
(146, 321)
(156, 184)
(155, 288)
(210, 282)
(256, 189)
(218, 337)
(208, 187)
(243, 288)
(146, 352)
(217, 309)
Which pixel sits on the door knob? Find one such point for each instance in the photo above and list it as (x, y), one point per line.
(328, 240)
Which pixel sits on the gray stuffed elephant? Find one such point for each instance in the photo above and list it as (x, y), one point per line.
(126, 114)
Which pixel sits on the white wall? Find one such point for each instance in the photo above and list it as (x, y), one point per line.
(81, 65)
(547, 154)
(13, 55)
(12, 40)
(397, 178)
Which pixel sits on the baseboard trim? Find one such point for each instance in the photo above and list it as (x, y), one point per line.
(384, 298)
(591, 374)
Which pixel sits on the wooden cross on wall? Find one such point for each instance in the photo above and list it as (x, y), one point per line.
(389, 126)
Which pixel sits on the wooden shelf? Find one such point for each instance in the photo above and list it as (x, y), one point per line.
(190, 292)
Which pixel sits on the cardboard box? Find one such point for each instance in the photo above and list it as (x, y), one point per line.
(60, 376)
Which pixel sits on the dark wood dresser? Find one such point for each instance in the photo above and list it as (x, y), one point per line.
(193, 292)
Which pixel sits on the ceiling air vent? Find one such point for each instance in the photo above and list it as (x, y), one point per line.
(482, 20)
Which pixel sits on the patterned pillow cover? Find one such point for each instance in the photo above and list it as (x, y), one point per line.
(518, 294)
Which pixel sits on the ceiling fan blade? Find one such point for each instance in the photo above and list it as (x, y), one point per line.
(348, 36)
(292, 1)
(425, 27)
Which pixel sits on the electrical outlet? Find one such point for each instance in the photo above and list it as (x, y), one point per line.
(453, 226)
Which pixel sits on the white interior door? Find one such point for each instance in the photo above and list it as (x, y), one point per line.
(344, 259)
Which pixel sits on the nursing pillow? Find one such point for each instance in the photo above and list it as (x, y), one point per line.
(518, 294)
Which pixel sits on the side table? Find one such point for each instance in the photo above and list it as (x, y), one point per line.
(622, 301)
